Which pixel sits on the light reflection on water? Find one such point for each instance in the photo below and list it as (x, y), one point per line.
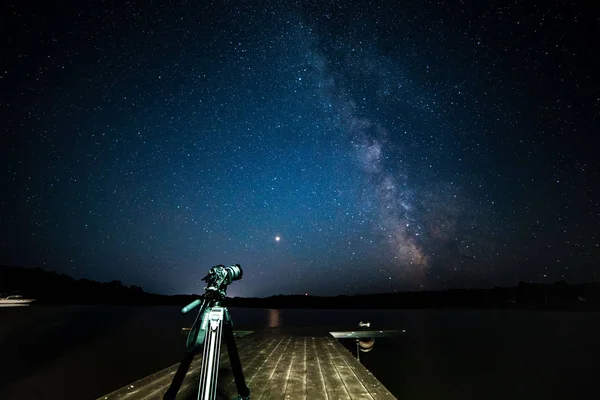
(14, 305)
(274, 318)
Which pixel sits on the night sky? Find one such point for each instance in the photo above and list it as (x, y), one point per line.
(332, 147)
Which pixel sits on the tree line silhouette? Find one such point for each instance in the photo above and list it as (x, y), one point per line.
(48, 287)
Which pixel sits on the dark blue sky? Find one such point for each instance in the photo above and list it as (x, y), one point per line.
(389, 146)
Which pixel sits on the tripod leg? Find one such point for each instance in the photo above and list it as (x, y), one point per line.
(210, 357)
(234, 359)
(171, 393)
(188, 357)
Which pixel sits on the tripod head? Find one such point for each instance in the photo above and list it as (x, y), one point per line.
(217, 280)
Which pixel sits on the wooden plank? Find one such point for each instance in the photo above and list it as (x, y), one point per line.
(253, 359)
(259, 382)
(375, 388)
(296, 387)
(315, 385)
(277, 365)
(367, 334)
(279, 379)
(333, 382)
(353, 385)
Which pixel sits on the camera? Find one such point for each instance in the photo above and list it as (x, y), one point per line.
(220, 276)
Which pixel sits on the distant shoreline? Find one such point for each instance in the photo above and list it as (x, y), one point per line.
(594, 308)
(50, 288)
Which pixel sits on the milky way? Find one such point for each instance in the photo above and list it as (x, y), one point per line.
(391, 195)
(389, 147)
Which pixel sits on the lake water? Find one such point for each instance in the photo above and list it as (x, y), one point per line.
(83, 352)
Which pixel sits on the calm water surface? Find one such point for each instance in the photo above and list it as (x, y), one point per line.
(83, 352)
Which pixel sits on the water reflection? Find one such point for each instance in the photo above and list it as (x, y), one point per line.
(274, 318)
(14, 305)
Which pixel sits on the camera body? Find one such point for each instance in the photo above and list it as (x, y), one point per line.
(220, 276)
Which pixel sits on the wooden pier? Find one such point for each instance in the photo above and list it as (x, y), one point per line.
(277, 365)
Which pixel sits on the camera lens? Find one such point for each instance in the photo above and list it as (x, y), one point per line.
(234, 272)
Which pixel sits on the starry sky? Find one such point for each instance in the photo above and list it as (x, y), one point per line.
(329, 147)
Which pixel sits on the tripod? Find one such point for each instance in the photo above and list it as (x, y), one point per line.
(212, 321)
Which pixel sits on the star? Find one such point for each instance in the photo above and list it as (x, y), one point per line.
(368, 155)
